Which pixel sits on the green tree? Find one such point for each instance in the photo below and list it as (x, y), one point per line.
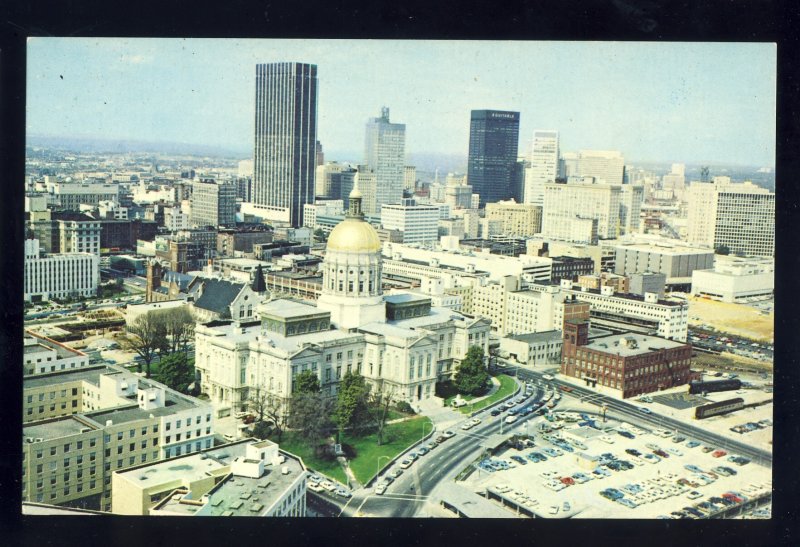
(267, 408)
(471, 376)
(352, 408)
(310, 416)
(176, 371)
(722, 250)
(306, 382)
(320, 236)
(379, 403)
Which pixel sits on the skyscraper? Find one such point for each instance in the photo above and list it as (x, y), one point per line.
(493, 144)
(285, 137)
(544, 166)
(385, 153)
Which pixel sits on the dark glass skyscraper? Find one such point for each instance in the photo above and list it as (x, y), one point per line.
(285, 137)
(493, 144)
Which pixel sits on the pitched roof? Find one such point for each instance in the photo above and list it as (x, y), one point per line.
(217, 295)
(180, 279)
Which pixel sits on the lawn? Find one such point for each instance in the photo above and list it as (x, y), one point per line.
(396, 438)
(507, 386)
(292, 443)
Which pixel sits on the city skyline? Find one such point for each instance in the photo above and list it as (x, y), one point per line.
(688, 102)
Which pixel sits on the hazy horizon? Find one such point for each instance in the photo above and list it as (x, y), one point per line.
(693, 103)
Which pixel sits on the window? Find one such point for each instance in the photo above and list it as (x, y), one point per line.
(208, 417)
(119, 449)
(169, 426)
(74, 391)
(132, 433)
(52, 450)
(92, 442)
(178, 437)
(132, 447)
(39, 468)
(144, 430)
(119, 435)
(169, 437)
(178, 424)
(66, 448)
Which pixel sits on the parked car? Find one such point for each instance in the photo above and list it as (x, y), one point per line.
(421, 451)
(510, 419)
(405, 464)
(448, 434)
(645, 410)
(718, 453)
(380, 488)
(341, 492)
(495, 412)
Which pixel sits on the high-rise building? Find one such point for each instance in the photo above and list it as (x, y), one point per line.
(285, 138)
(564, 202)
(518, 219)
(630, 207)
(606, 166)
(544, 166)
(419, 223)
(213, 203)
(385, 154)
(739, 216)
(410, 178)
(59, 275)
(493, 145)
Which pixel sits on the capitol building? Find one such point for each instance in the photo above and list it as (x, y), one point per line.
(400, 343)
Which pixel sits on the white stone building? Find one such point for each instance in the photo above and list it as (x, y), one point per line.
(59, 275)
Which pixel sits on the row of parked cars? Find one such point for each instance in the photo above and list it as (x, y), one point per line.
(716, 504)
(408, 461)
(319, 484)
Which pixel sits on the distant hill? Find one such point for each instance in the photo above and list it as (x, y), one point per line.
(95, 145)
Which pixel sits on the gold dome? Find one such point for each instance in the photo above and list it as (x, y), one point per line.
(354, 235)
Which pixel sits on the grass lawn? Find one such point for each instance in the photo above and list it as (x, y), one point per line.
(396, 438)
(507, 386)
(292, 443)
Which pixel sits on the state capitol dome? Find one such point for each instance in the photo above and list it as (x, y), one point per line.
(354, 235)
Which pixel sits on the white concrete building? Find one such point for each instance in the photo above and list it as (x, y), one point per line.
(385, 154)
(630, 208)
(332, 207)
(565, 202)
(605, 166)
(43, 355)
(59, 276)
(520, 219)
(543, 166)
(419, 223)
(739, 216)
(735, 279)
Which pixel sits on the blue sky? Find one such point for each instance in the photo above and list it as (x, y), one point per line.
(687, 102)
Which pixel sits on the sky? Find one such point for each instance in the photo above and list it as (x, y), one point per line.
(654, 101)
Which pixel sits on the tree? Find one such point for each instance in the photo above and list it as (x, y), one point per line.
(310, 416)
(306, 382)
(147, 338)
(267, 407)
(320, 236)
(379, 411)
(352, 408)
(722, 250)
(176, 371)
(471, 376)
(179, 328)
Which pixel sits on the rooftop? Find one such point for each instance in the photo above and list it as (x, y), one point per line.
(289, 309)
(436, 316)
(174, 403)
(53, 429)
(578, 290)
(88, 374)
(629, 345)
(533, 337)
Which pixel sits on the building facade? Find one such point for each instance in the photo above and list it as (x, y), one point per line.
(419, 223)
(518, 219)
(564, 202)
(543, 166)
(385, 154)
(285, 137)
(493, 147)
(58, 276)
(213, 203)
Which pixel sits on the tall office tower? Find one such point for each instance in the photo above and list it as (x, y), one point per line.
(366, 180)
(606, 166)
(630, 208)
(410, 178)
(568, 165)
(739, 216)
(544, 166)
(285, 137)
(213, 203)
(324, 187)
(493, 145)
(385, 153)
(565, 202)
(319, 154)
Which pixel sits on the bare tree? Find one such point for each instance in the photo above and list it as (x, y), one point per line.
(179, 325)
(267, 407)
(380, 401)
(147, 336)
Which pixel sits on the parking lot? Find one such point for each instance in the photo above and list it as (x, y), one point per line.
(584, 472)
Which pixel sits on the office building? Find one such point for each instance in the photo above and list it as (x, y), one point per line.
(630, 208)
(737, 216)
(735, 279)
(669, 257)
(629, 364)
(533, 348)
(82, 425)
(75, 233)
(285, 139)
(605, 166)
(322, 208)
(213, 203)
(570, 267)
(418, 223)
(43, 355)
(233, 241)
(329, 184)
(619, 283)
(543, 166)
(71, 195)
(492, 159)
(385, 154)
(518, 219)
(563, 203)
(58, 276)
(410, 178)
(246, 478)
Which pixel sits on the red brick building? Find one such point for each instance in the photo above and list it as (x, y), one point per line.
(631, 363)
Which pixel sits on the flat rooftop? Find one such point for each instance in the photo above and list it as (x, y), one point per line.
(403, 298)
(53, 429)
(288, 309)
(289, 344)
(174, 403)
(641, 344)
(88, 374)
(533, 337)
(436, 316)
(578, 290)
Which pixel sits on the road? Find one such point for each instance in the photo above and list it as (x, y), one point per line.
(407, 496)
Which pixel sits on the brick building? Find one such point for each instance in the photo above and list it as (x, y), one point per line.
(630, 363)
